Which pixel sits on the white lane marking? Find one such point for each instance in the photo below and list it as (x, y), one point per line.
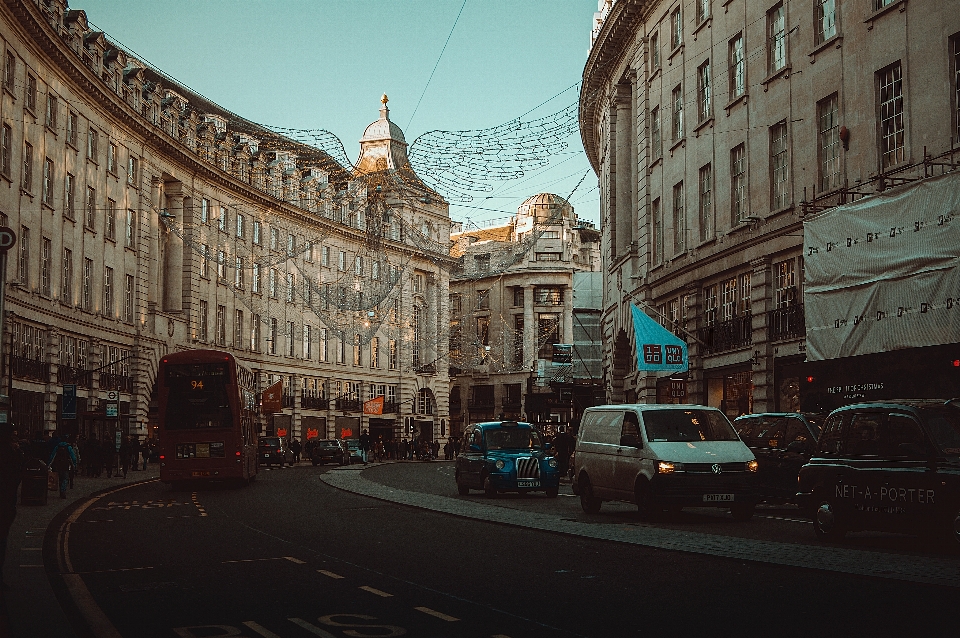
(121, 569)
(31, 565)
(252, 560)
(313, 629)
(30, 549)
(376, 592)
(437, 614)
(499, 636)
(263, 631)
(784, 518)
(330, 574)
(295, 560)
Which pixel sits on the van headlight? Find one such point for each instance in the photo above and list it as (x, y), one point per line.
(552, 462)
(499, 465)
(752, 466)
(666, 467)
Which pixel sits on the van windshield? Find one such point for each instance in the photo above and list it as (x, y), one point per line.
(687, 425)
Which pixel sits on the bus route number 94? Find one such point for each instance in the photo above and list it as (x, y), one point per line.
(196, 385)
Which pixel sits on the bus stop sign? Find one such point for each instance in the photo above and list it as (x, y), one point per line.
(7, 239)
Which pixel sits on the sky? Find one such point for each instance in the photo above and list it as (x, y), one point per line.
(324, 64)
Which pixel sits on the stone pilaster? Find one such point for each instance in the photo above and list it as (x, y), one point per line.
(761, 301)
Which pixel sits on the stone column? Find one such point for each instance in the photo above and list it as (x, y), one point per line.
(761, 302)
(529, 330)
(153, 245)
(173, 257)
(624, 184)
(566, 335)
(51, 357)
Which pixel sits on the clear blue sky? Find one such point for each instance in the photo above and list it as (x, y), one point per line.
(325, 63)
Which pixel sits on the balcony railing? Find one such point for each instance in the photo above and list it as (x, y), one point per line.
(30, 369)
(82, 378)
(512, 402)
(288, 400)
(314, 403)
(116, 382)
(391, 407)
(349, 405)
(727, 335)
(427, 368)
(480, 402)
(786, 323)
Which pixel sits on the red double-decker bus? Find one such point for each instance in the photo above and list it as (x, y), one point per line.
(207, 408)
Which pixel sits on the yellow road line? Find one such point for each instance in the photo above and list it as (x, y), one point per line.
(437, 614)
(377, 592)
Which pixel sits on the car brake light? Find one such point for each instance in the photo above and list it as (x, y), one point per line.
(162, 457)
(238, 452)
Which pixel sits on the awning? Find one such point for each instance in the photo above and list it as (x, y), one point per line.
(658, 349)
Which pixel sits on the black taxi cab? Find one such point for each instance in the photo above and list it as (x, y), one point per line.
(505, 456)
(887, 466)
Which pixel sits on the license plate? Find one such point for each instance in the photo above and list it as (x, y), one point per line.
(528, 483)
(200, 473)
(717, 498)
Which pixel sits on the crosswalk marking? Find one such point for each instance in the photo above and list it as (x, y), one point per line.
(313, 629)
(263, 631)
(382, 594)
(330, 574)
(437, 614)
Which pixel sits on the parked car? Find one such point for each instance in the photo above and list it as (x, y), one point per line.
(886, 465)
(274, 450)
(782, 442)
(353, 446)
(663, 456)
(329, 451)
(505, 456)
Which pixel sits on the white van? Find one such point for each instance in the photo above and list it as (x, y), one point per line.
(663, 456)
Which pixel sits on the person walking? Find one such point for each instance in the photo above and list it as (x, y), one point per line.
(563, 444)
(364, 445)
(61, 460)
(296, 448)
(135, 453)
(11, 471)
(126, 452)
(109, 450)
(76, 453)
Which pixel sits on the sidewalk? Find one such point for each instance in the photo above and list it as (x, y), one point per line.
(28, 607)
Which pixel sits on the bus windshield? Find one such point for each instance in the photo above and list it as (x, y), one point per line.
(197, 397)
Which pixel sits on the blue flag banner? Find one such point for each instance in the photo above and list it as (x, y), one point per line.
(657, 347)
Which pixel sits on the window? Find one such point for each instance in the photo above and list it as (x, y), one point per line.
(743, 294)
(239, 226)
(392, 357)
(274, 239)
(679, 220)
(483, 331)
(375, 352)
(51, 115)
(238, 329)
(677, 113)
(256, 278)
(221, 327)
(130, 229)
(342, 263)
(738, 67)
(375, 271)
(291, 244)
(549, 295)
(46, 248)
(48, 182)
(828, 135)
(23, 263)
(90, 217)
(779, 195)
(738, 184)
(703, 91)
(710, 305)
(655, 51)
(703, 10)
(221, 265)
(73, 124)
(548, 256)
(255, 333)
(256, 232)
(785, 292)
(307, 341)
(776, 39)
(325, 256)
(518, 298)
(418, 334)
(482, 263)
(70, 195)
(110, 228)
(238, 273)
(656, 141)
(6, 150)
(222, 220)
(272, 283)
(358, 265)
(657, 215)
(890, 82)
(202, 321)
(357, 351)
(204, 210)
(112, 158)
(108, 292)
(322, 344)
(205, 261)
(31, 93)
(826, 26)
(133, 169)
(28, 167)
(483, 300)
(706, 203)
(93, 138)
(676, 29)
(728, 299)
(956, 85)
(66, 277)
(128, 283)
(290, 287)
(87, 284)
(9, 70)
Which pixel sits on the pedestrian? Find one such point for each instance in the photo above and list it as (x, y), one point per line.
(296, 448)
(109, 450)
(61, 460)
(95, 459)
(126, 452)
(145, 452)
(403, 449)
(11, 470)
(76, 453)
(435, 449)
(364, 446)
(135, 453)
(563, 444)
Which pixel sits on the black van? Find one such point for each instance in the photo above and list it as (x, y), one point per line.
(886, 465)
(782, 443)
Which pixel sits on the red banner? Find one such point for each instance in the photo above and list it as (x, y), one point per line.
(272, 400)
(373, 406)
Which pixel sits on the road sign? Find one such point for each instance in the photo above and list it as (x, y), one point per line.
(111, 409)
(113, 395)
(69, 406)
(7, 239)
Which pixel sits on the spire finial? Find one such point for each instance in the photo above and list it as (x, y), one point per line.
(384, 99)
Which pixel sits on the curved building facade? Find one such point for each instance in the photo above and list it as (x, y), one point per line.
(716, 127)
(151, 220)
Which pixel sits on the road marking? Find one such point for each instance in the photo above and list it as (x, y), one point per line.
(313, 629)
(330, 574)
(263, 631)
(31, 565)
(107, 571)
(436, 614)
(376, 592)
(499, 636)
(193, 497)
(252, 560)
(30, 549)
(295, 560)
(784, 518)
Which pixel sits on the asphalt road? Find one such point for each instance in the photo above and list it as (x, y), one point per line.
(291, 557)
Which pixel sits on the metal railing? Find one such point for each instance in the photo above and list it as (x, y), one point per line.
(314, 403)
(82, 378)
(727, 335)
(30, 369)
(786, 323)
(116, 382)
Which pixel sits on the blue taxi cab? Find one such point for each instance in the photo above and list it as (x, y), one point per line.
(505, 456)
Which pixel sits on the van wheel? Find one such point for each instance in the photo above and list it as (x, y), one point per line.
(462, 489)
(588, 502)
(488, 489)
(826, 522)
(742, 513)
(953, 533)
(645, 507)
(552, 492)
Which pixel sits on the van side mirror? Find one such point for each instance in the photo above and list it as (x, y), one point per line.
(629, 440)
(474, 447)
(797, 447)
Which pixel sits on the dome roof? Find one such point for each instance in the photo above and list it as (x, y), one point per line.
(545, 199)
(383, 129)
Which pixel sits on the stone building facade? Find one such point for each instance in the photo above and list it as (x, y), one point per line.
(511, 300)
(151, 220)
(715, 127)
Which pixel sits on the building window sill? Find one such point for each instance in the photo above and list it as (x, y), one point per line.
(47, 206)
(70, 218)
(902, 5)
(707, 123)
(781, 72)
(654, 164)
(25, 192)
(52, 130)
(653, 75)
(740, 99)
(677, 144)
(826, 44)
(705, 24)
(676, 51)
(725, 4)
